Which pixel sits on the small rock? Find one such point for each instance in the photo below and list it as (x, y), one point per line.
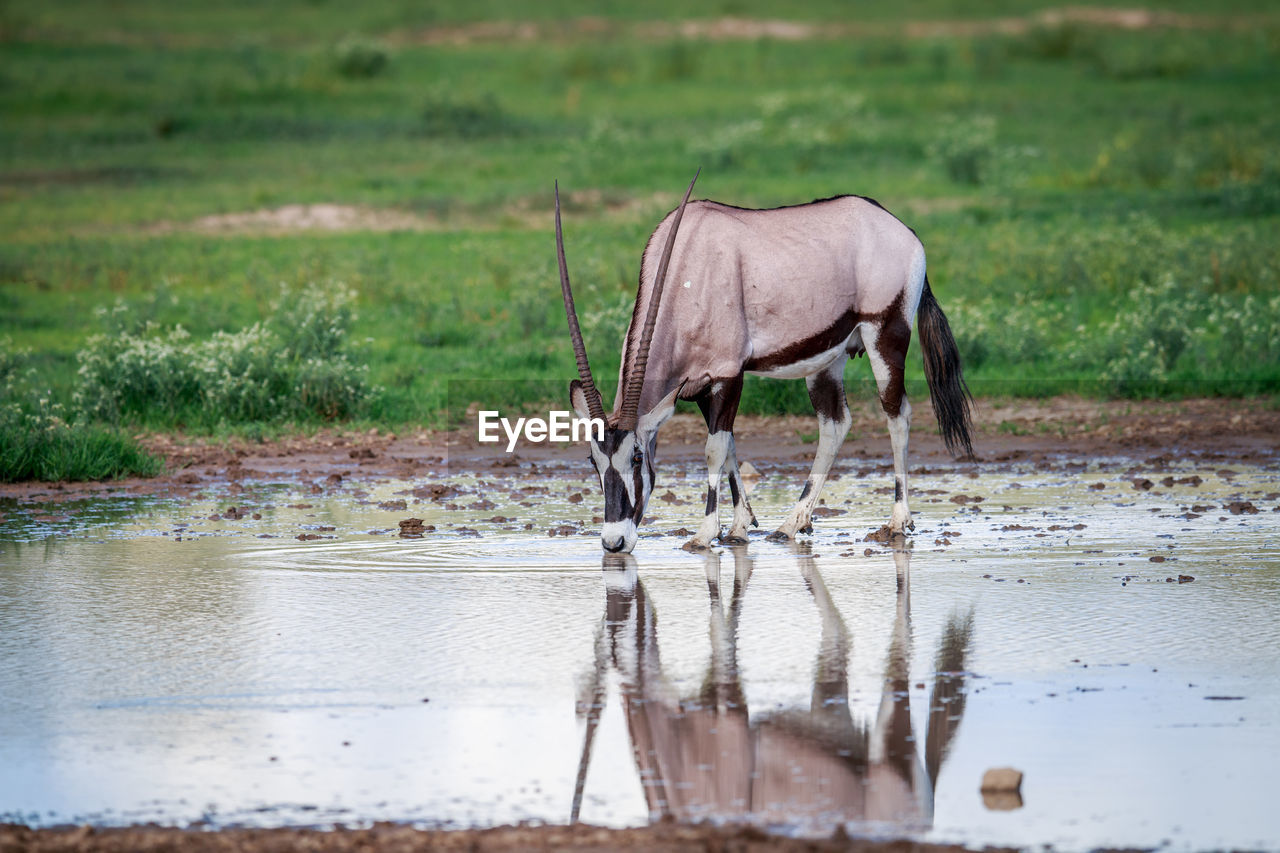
(748, 471)
(883, 535)
(999, 779)
(1002, 789)
(413, 528)
(435, 491)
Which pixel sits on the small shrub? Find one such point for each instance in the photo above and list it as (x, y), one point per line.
(293, 368)
(1056, 42)
(358, 59)
(467, 118)
(965, 149)
(677, 61)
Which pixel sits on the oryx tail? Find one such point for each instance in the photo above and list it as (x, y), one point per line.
(951, 398)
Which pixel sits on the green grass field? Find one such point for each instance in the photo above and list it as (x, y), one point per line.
(1100, 204)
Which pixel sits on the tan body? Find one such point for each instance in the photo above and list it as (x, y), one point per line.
(783, 290)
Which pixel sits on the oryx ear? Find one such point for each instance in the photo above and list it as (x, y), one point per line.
(578, 399)
(648, 423)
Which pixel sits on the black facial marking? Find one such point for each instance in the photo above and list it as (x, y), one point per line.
(637, 512)
(711, 501)
(617, 505)
(897, 491)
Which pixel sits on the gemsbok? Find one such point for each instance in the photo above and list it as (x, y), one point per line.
(789, 293)
(707, 754)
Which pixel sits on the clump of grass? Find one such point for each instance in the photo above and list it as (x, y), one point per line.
(38, 443)
(965, 149)
(292, 368)
(1174, 56)
(461, 117)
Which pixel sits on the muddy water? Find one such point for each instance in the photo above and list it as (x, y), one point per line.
(177, 661)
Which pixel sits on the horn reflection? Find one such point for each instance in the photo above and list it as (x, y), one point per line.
(705, 755)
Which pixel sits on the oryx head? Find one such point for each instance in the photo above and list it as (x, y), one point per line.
(623, 459)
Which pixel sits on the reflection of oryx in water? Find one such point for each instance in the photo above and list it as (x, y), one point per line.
(706, 756)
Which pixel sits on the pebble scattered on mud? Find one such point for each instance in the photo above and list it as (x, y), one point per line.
(413, 528)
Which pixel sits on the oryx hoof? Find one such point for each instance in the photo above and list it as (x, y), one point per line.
(696, 545)
(733, 540)
(808, 528)
(778, 536)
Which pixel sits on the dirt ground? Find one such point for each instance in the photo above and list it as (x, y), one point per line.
(1007, 432)
(393, 838)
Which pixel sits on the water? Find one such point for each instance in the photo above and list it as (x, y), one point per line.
(160, 664)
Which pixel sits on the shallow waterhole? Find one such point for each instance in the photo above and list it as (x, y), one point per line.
(171, 659)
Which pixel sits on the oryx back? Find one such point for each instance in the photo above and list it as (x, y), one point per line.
(779, 291)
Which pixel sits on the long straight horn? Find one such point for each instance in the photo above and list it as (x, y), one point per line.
(594, 403)
(635, 382)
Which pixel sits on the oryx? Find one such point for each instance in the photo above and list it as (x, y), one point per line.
(788, 292)
(707, 754)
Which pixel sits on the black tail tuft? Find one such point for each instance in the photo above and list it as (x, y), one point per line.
(952, 402)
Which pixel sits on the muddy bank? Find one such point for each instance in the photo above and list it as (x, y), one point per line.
(668, 838)
(1008, 431)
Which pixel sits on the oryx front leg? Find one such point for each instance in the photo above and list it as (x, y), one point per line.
(719, 449)
(887, 352)
(826, 391)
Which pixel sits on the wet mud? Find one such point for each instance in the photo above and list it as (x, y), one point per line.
(371, 631)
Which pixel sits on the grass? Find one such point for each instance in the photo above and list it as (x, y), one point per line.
(1099, 205)
(80, 452)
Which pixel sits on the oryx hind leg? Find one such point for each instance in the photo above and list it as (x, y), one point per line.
(887, 351)
(826, 392)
